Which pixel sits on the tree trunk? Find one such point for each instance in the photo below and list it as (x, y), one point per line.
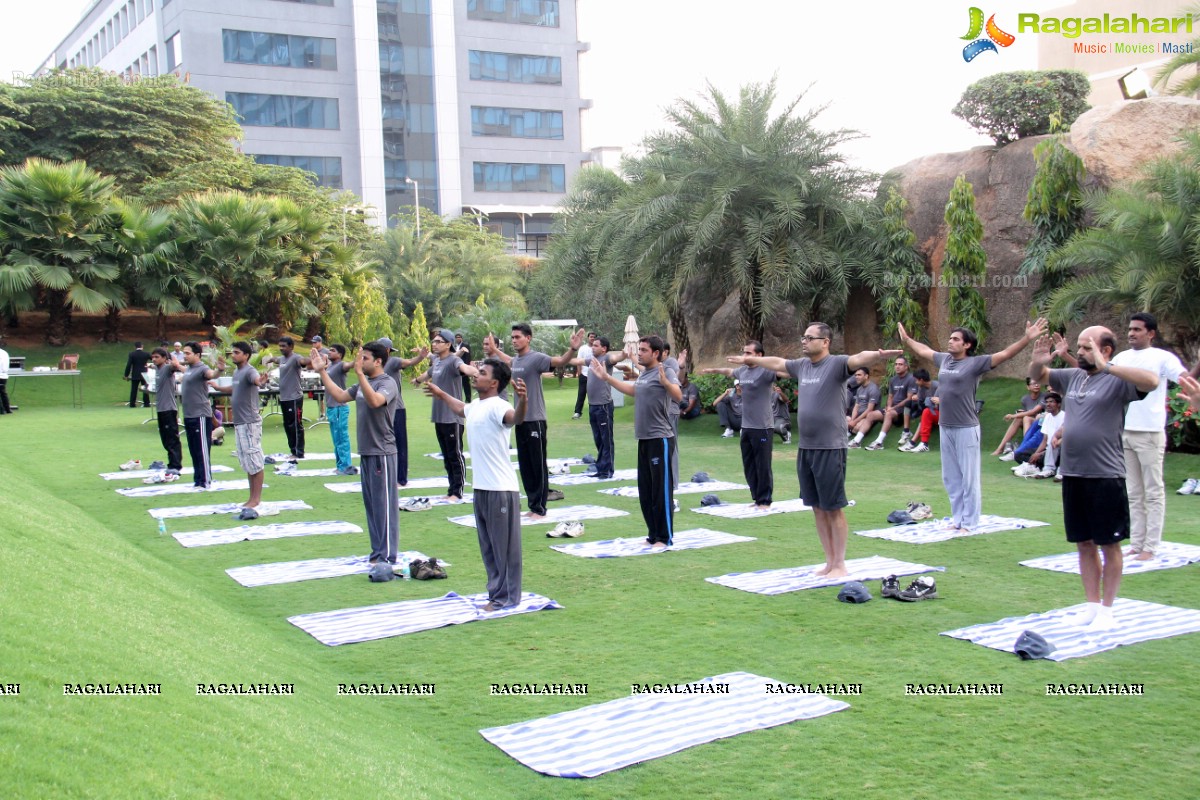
(679, 328)
(112, 325)
(58, 322)
(160, 326)
(274, 316)
(224, 306)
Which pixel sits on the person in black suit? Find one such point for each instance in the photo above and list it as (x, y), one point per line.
(135, 366)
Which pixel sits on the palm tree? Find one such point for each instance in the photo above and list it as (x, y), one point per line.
(1190, 60)
(58, 250)
(145, 245)
(1143, 252)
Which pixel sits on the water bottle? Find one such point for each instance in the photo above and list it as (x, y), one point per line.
(162, 526)
(404, 572)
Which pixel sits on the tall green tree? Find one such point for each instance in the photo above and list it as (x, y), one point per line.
(1055, 208)
(132, 131)
(144, 246)
(1143, 252)
(58, 250)
(904, 270)
(1185, 65)
(965, 265)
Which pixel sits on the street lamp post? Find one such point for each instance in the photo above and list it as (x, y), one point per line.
(417, 196)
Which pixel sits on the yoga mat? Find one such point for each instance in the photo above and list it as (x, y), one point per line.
(249, 533)
(1170, 556)
(365, 624)
(1137, 621)
(512, 451)
(355, 487)
(555, 515)
(580, 480)
(226, 508)
(684, 488)
(936, 530)
(748, 511)
(616, 548)
(600, 738)
(793, 579)
(180, 487)
(294, 571)
(307, 456)
(146, 473)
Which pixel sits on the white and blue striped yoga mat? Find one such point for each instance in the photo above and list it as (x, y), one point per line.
(941, 530)
(365, 624)
(596, 739)
(1169, 556)
(748, 511)
(794, 579)
(250, 533)
(512, 451)
(294, 571)
(163, 489)
(1137, 621)
(683, 488)
(279, 457)
(146, 473)
(581, 480)
(355, 487)
(692, 539)
(555, 515)
(179, 512)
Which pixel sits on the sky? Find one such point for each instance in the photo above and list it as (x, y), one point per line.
(888, 71)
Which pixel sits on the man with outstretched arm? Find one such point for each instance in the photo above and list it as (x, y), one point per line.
(394, 368)
(446, 371)
(497, 500)
(197, 409)
(1096, 395)
(655, 391)
(820, 425)
(246, 421)
(291, 399)
(600, 403)
(375, 396)
(165, 408)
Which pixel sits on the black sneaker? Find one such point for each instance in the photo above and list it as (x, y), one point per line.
(923, 588)
(889, 587)
(157, 465)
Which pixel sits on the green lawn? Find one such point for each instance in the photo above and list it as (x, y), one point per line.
(90, 592)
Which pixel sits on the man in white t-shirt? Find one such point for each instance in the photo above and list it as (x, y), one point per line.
(585, 356)
(1145, 437)
(493, 480)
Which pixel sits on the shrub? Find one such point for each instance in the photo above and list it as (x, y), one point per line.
(1012, 105)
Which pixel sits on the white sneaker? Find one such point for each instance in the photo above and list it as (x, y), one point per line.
(787, 438)
(921, 448)
(674, 504)
(1010, 455)
(1046, 472)
(157, 477)
(728, 434)
(1189, 486)
(133, 463)
(566, 530)
(287, 468)
(906, 447)
(576, 416)
(1026, 470)
(905, 437)
(1058, 477)
(560, 469)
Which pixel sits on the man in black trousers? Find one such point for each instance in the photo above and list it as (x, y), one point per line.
(135, 365)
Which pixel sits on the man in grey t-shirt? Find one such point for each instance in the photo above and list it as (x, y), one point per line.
(164, 406)
(758, 423)
(444, 371)
(291, 399)
(1095, 505)
(600, 403)
(197, 410)
(338, 414)
(655, 391)
(821, 425)
(394, 369)
(867, 399)
(900, 405)
(245, 418)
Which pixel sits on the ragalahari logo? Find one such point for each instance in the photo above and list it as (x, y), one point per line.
(995, 36)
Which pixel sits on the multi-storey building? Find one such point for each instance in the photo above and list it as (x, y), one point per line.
(465, 106)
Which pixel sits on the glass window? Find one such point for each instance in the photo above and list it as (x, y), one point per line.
(519, 12)
(522, 123)
(174, 53)
(490, 177)
(326, 170)
(310, 2)
(284, 111)
(515, 68)
(279, 50)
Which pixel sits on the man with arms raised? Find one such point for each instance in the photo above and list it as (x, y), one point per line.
(291, 399)
(197, 410)
(493, 484)
(166, 410)
(445, 371)
(820, 425)
(600, 403)
(1095, 395)
(375, 398)
(394, 368)
(337, 413)
(247, 423)
(758, 422)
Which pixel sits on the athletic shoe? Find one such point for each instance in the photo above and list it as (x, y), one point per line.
(576, 416)
(560, 469)
(280, 458)
(350, 470)
(923, 588)
(1026, 470)
(853, 445)
(1189, 486)
(1058, 478)
(554, 494)
(905, 436)
(874, 446)
(170, 477)
(787, 438)
(906, 447)
(889, 586)
(1046, 472)
(728, 434)
(157, 477)
(157, 465)
(566, 530)
(1010, 455)
(674, 504)
(415, 504)
(132, 463)
(921, 448)
(919, 511)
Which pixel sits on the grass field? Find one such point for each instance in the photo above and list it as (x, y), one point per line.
(89, 592)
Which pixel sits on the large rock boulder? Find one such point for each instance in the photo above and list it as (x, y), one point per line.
(1116, 141)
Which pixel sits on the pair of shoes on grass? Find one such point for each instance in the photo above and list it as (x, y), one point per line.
(923, 588)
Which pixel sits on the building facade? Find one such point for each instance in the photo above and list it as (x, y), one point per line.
(470, 107)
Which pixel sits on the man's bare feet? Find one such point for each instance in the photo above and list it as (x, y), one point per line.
(659, 546)
(1145, 555)
(1133, 551)
(837, 572)
(823, 571)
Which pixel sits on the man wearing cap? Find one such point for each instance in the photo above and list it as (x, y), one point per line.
(166, 409)
(655, 391)
(246, 420)
(394, 368)
(177, 353)
(527, 366)
(1096, 395)
(374, 396)
(820, 427)
(337, 412)
(444, 371)
(291, 399)
(494, 487)
(756, 385)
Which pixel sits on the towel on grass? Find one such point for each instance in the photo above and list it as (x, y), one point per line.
(616, 548)
(355, 487)
(579, 480)
(327, 472)
(434, 502)
(555, 515)
(793, 579)
(1137, 621)
(249, 533)
(940, 530)
(146, 473)
(1170, 555)
(367, 623)
(162, 489)
(293, 571)
(226, 508)
(512, 451)
(748, 511)
(279, 457)
(683, 488)
(600, 738)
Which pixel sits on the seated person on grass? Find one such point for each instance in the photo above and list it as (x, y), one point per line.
(689, 406)
(729, 410)
(781, 413)
(927, 401)
(866, 408)
(1031, 407)
(902, 394)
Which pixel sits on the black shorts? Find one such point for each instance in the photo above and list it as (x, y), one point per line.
(822, 476)
(1095, 509)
